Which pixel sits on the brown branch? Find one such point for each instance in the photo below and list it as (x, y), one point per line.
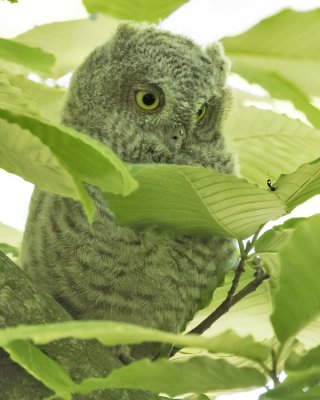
(224, 307)
(229, 302)
(232, 297)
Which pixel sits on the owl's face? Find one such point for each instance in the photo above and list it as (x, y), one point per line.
(154, 97)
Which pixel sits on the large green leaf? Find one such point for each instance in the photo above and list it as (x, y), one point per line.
(69, 41)
(282, 54)
(196, 375)
(195, 199)
(299, 280)
(90, 160)
(43, 368)
(138, 10)
(279, 87)
(23, 154)
(44, 100)
(112, 333)
(57, 152)
(30, 57)
(270, 144)
(301, 185)
(269, 244)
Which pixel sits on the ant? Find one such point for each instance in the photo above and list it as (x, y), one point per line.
(272, 187)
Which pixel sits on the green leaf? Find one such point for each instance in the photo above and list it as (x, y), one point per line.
(269, 244)
(308, 360)
(273, 239)
(299, 280)
(7, 249)
(81, 156)
(79, 38)
(33, 58)
(282, 53)
(112, 333)
(23, 154)
(198, 374)
(138, 10)
(90, 160)
(57, 152)
(301, 185)
(297, 386)
(187, 199)
(269, 144)
(41, 99)
(279, 87)
(41, 367)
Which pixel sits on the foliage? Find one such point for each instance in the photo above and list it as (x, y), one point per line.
(281, 54)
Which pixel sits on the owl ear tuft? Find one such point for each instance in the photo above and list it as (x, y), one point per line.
(216, 53)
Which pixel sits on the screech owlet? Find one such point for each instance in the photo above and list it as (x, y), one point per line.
(153, 97)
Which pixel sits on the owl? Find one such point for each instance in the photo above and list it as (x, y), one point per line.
(152, 97)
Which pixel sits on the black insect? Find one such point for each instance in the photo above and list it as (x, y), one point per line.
(272, 187)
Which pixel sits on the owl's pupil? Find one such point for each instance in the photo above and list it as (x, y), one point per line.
(199, 112)
(148, 99)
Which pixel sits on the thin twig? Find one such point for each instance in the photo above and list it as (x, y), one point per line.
(232, 298)
(225, 306)
(228, 303)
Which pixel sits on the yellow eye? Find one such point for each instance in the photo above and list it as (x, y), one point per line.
(147, 100)
(202, 112)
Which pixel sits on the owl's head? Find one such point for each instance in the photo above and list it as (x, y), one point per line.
(153, 96)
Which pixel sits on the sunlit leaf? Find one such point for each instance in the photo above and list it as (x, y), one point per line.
(112, 333)
(282, 53)
(299, 280)
(29, 56)
(198, 374)
(270, 144)
(269, 244)
(44, 100)
(186, 199)
(300, 186)
(138, 10)
(75, 157)
(69, 41)
(279, 87)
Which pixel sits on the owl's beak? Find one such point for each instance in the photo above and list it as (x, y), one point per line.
(178, 139)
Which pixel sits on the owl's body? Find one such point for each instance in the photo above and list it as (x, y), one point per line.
(153, 97)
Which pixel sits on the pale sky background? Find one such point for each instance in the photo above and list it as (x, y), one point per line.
(202, 20)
